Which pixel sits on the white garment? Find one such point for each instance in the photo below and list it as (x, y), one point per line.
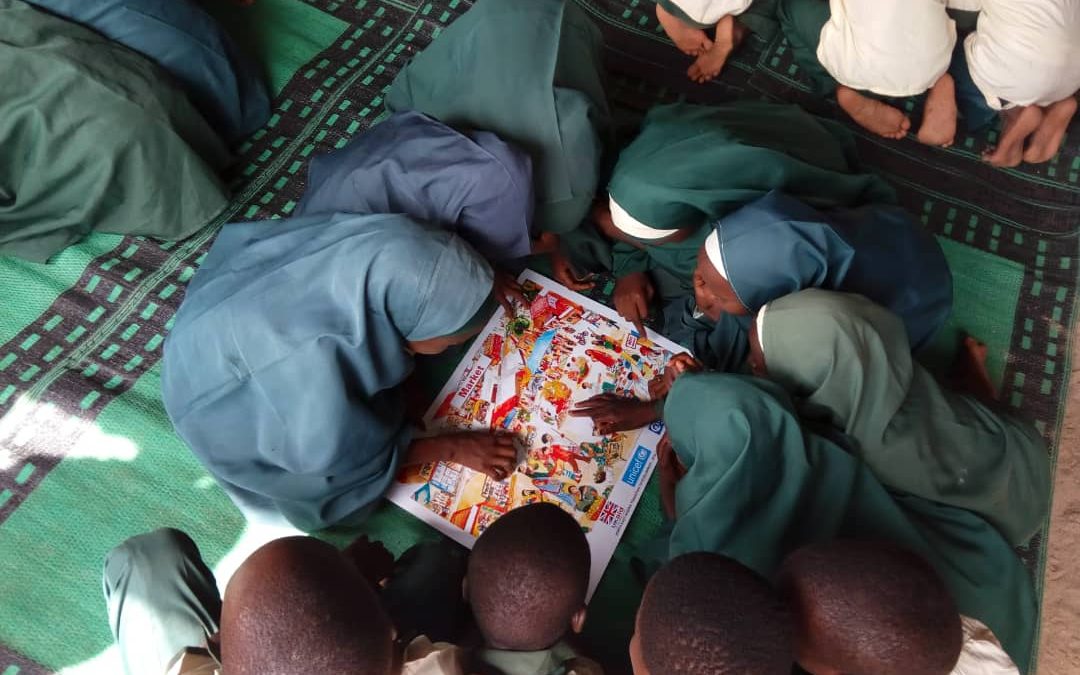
(714, 254)
(625, 222)
(711, 11)
(1026, 52)
(889, 47)
(982, 653)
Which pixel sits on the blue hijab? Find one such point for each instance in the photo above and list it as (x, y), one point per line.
(471, 183)
(282, 370)
(183, 39)
(778, 245)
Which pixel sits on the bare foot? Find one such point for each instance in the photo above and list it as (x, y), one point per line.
(690, 40)
(970, 375)
(1019, 123)
(939, 114)
(880, 118)
(729, 35)
(1046, 141)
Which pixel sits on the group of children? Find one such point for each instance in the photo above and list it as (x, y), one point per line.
(514, 603)
(1021, 60)
(832, 503)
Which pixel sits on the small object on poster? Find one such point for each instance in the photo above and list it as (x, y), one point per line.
(522, 376)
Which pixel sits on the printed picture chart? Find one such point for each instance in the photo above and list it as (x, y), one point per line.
(522, 376)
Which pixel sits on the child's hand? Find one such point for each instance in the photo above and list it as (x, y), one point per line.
(507, 290)
(611, 413)
(633, 293)
(679, 364)
(566, 275)
(493, 454)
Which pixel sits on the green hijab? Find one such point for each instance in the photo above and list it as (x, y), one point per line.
(760, 485)
(849, 364)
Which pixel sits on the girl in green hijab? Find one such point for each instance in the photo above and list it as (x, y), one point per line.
(848, 363)
(747, 479)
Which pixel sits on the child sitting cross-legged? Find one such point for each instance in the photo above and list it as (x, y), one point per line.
(527, 578)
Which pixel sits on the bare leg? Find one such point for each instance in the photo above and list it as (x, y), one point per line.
(970, 375)
(688, 39)
(1046, 141)
(1019, 123)
(883, 120)
(939, 114)
(729, 35)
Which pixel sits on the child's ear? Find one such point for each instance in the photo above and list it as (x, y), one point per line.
(577, 621)
(465, 588)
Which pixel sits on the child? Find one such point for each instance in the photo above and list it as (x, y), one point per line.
(530, 72)
(748, 478)
(873, 607)
(685, 22)
(527, 579)
(182, 38)
(779, 245)
(885, 48)
(705, 614)
(296, 606)
(471, 183)
(715, 159)
(849, 362)
(1024, 59)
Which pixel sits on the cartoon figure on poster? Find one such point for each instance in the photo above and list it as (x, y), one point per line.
(523, 376)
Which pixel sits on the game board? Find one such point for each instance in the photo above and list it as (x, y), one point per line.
(522, 376)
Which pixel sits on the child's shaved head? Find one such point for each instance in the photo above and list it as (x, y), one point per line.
(870, 607)
(298, 606)
(706, 614)
(528, 575)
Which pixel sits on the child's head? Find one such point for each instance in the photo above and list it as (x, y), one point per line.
(618, 225)
(869, 607)
(298, 606)
(706, 614)
(527, 579)
(713, 293)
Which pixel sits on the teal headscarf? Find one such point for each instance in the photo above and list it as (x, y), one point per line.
(759, 485)
(282, 370)
(778, 245)
(848, 362)
(530, 72)
(692, 164)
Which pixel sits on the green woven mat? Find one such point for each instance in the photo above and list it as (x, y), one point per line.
(88, 457)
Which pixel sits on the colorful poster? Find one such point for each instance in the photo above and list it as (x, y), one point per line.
(522, 376)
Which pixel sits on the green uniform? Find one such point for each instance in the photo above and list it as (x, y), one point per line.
(529, 71)
(693, 164)
(849, 364)
(558, 660)
(759, 485)
(95, 138)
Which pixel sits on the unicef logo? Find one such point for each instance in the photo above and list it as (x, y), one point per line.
(657, 427)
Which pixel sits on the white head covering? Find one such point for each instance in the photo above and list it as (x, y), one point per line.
(632, 226)
(716, 257)
(760, 323)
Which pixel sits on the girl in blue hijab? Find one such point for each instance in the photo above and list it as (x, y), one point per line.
(778, 245)
(285, 367)
(469, 182)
